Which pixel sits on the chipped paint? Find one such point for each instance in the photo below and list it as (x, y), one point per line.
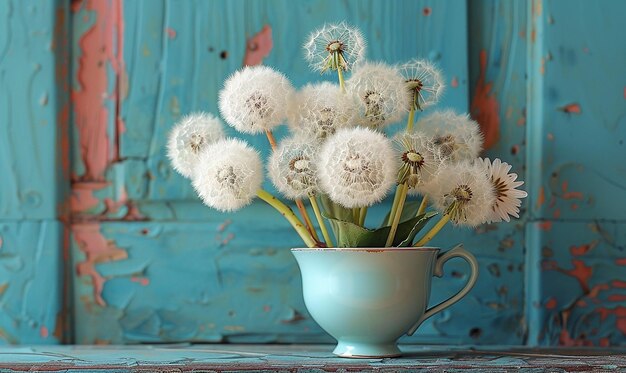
(485, 107)
(258, 47)
(571, 108)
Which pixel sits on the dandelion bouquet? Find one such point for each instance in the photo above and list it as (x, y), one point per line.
(338, 159)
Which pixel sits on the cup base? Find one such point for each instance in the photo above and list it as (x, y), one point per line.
(360, 350)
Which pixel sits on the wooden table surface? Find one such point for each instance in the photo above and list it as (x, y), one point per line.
(302, 358)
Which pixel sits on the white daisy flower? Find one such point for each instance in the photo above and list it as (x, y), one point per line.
(507, 201)
(457, 136)
(291, 168)
(381, 94)
(424, 82)
(420, 160)
(189, 137)
(357, 167)
(334, 46)
(318, 110)
(254, 99)
(228, 175)
(463, 191)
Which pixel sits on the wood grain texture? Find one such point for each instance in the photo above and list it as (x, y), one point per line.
(304, 358)
(30, 282)
(33, 109)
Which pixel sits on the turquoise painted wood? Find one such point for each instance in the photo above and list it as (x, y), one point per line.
(34, 170)
(138, 257)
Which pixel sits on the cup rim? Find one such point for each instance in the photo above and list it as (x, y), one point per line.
(366, 249)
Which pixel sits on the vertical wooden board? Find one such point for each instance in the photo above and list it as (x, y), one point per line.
(32, 108)
(579, 100)
(30, 282)
(576, 288)
(176, 61)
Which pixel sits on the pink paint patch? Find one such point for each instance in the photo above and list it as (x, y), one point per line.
(427, 11)
(582, 249)
(97, 249)
(43, 332)
(619, 284)
(454, 82)
(551, 304)
(572, 109)
(141, 280)
(624, 92)
(1, 242)
(100, 47)
(617, 297)
(545, 226)
(258, 47)
(485, 106)
(620, 261)
(171, 33)
(82, 198)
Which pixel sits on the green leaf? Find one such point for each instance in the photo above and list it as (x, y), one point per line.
(334, 210)
(349, 234)
(409, 211)
(421, 223)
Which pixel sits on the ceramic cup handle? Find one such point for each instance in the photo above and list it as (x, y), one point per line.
(459, 252)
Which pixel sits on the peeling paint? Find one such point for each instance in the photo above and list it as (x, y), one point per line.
(258, 47)
(571, 109)
(485, 106)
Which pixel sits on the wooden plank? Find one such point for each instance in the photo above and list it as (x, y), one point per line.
(34, 109)
(576, 289)
(305, 358)
(30, 282)
(579, 110)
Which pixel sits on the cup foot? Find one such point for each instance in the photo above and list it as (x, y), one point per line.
(360, 350)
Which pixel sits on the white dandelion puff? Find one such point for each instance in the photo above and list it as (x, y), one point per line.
(507, 197)
(357, 167)
(463, 191)
(318, 110)
(189, 137)
(424, 82)
(334, 46)
(254, 99)
(228, 175)
(291, 168)
(420, 160)
(381, 94)
(458, 136)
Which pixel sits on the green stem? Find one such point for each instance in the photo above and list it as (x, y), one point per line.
(362, 215)
(409, 122)
(342, 84)
(320, 221)
(394, 206)
(396, 219)
(423, 205)
(433, 231)
(355, 215)
(285, 211)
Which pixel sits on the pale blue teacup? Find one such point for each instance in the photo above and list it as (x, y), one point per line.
(368, 298)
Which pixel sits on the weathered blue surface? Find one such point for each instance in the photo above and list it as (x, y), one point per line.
(150, 263)
(34, 169)
(304, 358)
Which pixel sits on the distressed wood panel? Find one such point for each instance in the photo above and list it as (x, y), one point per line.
(30, 282)
(229, 279)
(577, 287)
(304, 358)
(578, 110)
(33, 109)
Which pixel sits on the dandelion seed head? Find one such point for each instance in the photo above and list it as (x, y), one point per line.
(457, 136)
(292, 167)
(424, 82)
(255, 99)
(420, 160)
(228, 175)
(357, 167)
(189, 137)
(318, 110)
(381, 94)
(334, 46)
(463, 191)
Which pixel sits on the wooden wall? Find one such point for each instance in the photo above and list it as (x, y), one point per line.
(93, 218)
